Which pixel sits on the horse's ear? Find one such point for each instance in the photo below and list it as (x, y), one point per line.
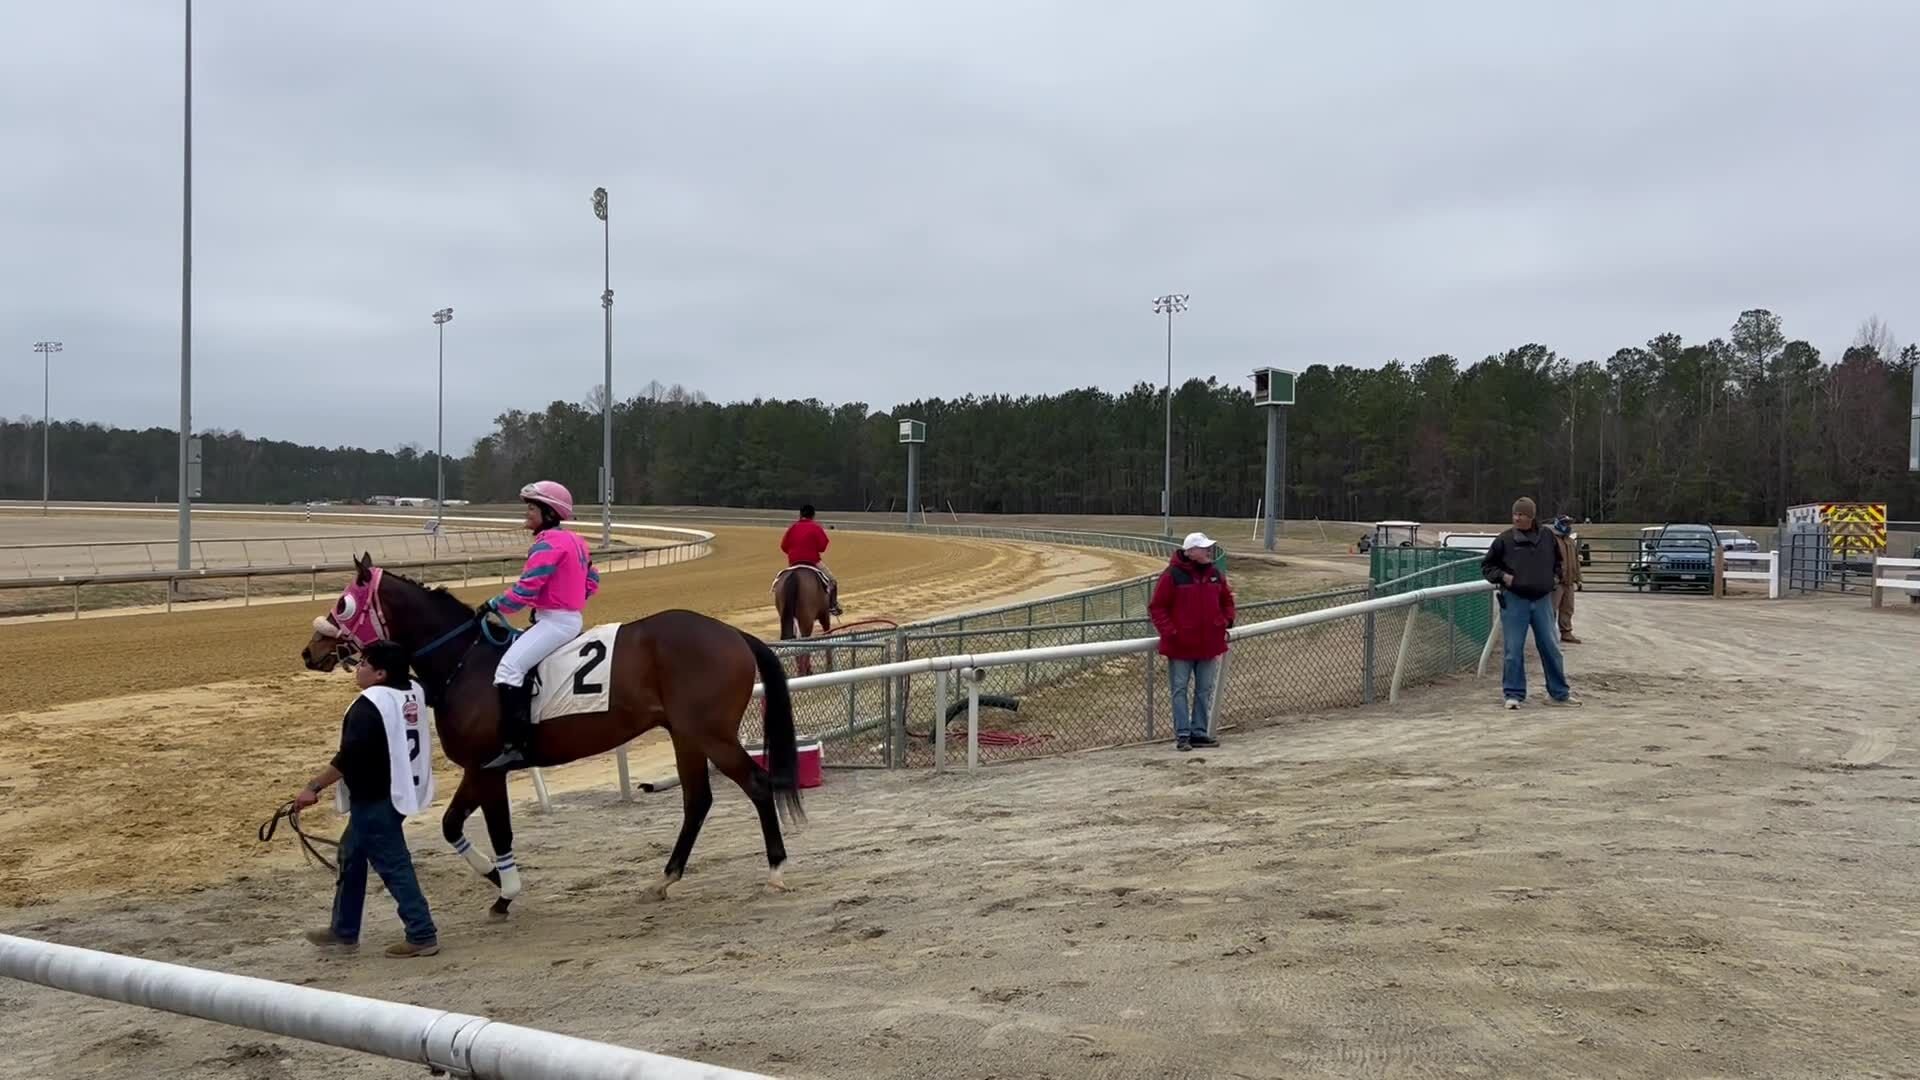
(364, 564)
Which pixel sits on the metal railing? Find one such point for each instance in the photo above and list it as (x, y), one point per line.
(154, 556)
(445, 1042)
(174, 582)
(1095, 683)
(611, 559)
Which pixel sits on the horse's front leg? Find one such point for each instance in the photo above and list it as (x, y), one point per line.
(484, 790)
(493, 804)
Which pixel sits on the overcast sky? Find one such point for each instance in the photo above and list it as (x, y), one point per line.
(885, 200)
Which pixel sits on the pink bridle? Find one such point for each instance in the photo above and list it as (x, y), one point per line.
(356, 616)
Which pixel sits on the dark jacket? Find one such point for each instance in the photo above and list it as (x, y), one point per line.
(1192, 607)
(1533, 558)
(362, 759)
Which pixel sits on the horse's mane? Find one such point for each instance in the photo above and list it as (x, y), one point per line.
(438, 594)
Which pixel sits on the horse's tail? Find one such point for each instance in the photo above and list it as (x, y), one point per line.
(788, 605)
(783, 746)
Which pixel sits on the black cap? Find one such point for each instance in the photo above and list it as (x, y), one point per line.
(806, 510)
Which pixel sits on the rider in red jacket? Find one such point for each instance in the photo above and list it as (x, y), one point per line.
(804, 543)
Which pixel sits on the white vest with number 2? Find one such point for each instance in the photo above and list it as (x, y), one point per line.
(409, 746)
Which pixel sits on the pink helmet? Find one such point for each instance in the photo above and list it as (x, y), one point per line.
(550, 494)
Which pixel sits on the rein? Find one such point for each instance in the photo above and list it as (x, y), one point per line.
(309, 853)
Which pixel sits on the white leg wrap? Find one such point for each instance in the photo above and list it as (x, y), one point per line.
(509, 876)
(480, 863)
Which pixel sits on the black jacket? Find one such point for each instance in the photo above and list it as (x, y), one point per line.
(1533, 558)
(362, 759)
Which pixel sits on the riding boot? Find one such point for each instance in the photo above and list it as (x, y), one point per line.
(833, 598)
(516, 725)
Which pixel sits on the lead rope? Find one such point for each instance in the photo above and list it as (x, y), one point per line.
(309, 853)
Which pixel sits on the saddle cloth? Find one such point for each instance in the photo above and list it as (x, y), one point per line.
(825, 581)
(576, 677)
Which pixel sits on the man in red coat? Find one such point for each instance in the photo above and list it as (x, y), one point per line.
(804, 543)
(1192, 608)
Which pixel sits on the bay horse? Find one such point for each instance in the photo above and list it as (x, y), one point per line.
(680, 670)
(800, 599)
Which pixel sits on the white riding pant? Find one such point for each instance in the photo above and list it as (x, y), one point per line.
(554, 629)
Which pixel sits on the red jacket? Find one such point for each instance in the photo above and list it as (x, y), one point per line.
(804, 542)
(1192, 607)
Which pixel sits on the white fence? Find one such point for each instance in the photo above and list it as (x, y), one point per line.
(442, 1041)
(1881, 580)
(1769, 572)
(946, 667)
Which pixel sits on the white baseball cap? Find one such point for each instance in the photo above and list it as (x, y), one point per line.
(1196, 540)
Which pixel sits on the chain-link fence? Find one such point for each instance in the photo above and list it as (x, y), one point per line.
(1049, 704)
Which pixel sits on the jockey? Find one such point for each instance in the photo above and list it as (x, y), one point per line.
(556, 584)
(805, 541)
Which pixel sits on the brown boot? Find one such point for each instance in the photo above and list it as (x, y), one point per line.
(406, 950)
(1567, 637)
(327, 939)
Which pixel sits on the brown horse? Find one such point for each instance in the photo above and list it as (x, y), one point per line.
(679, 670)
(800, 599)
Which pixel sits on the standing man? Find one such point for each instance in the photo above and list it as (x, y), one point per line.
(1524, 562)
(386, 760)
(1192, 609)
(1569, 579)
(804, 543)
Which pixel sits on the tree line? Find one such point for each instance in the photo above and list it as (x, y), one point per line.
(1732, 429)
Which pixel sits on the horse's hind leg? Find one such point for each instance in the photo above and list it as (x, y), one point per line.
(731, 758)
(696, 798)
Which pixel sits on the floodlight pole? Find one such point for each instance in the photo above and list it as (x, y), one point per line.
(46, 349)
(185, 558)
(1168, 305)
(440, 320)
(606, 389)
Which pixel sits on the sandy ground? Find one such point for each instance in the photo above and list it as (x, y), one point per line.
(145, 748)
(1706, 872)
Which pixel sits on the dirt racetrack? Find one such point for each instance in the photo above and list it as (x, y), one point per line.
(138, 750)
(1707, 872)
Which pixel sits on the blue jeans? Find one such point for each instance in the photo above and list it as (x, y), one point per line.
(1517, 615)
(373, 837)
(1201, 674)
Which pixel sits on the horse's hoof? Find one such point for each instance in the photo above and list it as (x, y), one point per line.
(499, 909)
(776, 882)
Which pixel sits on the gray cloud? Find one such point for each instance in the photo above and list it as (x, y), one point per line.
(879, 202)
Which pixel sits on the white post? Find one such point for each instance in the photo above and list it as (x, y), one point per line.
(1773, 574)
(1400, 661)
(939, 721)
(973, 676)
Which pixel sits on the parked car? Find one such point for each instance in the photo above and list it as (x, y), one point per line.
(1735, 540)
(1678, 556)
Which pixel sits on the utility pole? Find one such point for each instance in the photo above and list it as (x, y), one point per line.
(1168, 305)
(606, 387)
(46, 349)
(186, 297)
(440, 320)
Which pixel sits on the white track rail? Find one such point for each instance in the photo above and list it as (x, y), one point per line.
(442, 1041)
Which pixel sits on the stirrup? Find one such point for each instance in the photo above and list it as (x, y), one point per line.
(507, 759)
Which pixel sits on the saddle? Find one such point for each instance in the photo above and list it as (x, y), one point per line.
(825, 581)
